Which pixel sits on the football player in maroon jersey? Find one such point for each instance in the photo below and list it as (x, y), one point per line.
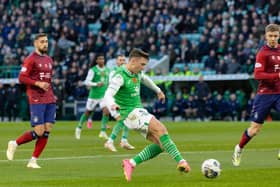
(36, 74)
(267, 72)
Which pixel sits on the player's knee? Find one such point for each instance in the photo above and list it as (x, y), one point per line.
(106, 111)
(87, 113)
(39, 132)
(253, 131)
(162, 129)
(157, 128)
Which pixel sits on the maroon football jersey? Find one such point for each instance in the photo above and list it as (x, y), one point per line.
(37, 68)
(267, 68)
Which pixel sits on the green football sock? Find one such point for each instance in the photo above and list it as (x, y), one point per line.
(147, 153)
(125, 132)
(104, 122)
(83, 118)
(117, 128)
(170, 147)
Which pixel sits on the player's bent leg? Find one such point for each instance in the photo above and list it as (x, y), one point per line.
(12, 146)
(249, 133)
(159, 132)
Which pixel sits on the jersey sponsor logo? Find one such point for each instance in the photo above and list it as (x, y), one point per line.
(44, 75)
(276, 67)
(258, 65)
(23, 69)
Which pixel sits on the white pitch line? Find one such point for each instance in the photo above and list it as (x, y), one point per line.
(130, 155)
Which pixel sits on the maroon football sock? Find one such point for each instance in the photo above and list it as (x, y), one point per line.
(40, 145)
(244, 139)
(26, 137)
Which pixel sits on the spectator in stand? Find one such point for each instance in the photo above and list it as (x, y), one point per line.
(246, 113)
(222, 67)
(209, 107)
(220, 107)
(202, 92)
(190, 108)
(234, 107)
(211, 61)
(233, 67)
(187, 71)
(248, 67)
(3, 101)
(58, 90)
(160, 109)
(177, 107)
(12, 102)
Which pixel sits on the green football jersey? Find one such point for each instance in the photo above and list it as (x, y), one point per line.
(100, 75)
(128, 96)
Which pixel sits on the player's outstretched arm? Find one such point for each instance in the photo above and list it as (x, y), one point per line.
(150, 84)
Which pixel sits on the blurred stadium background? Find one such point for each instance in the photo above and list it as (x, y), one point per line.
(185, 38)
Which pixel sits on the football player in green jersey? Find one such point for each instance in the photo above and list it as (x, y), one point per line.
(97, 79)
(109, 144)
(123, 94)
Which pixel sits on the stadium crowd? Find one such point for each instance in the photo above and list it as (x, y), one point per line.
(221, 36)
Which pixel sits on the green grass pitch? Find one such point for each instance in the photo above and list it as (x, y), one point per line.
(80, 163)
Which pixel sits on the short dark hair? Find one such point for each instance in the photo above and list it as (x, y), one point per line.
(39, 35)
(272, 28)
(136, 52)
(100, 54)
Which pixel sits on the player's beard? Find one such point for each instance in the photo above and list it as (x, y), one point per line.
(44, 50)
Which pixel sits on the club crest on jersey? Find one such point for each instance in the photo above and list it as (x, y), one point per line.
(134, 80)
(258, 65)
(23, 69)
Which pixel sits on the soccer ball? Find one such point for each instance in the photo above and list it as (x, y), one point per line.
(211, 168)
